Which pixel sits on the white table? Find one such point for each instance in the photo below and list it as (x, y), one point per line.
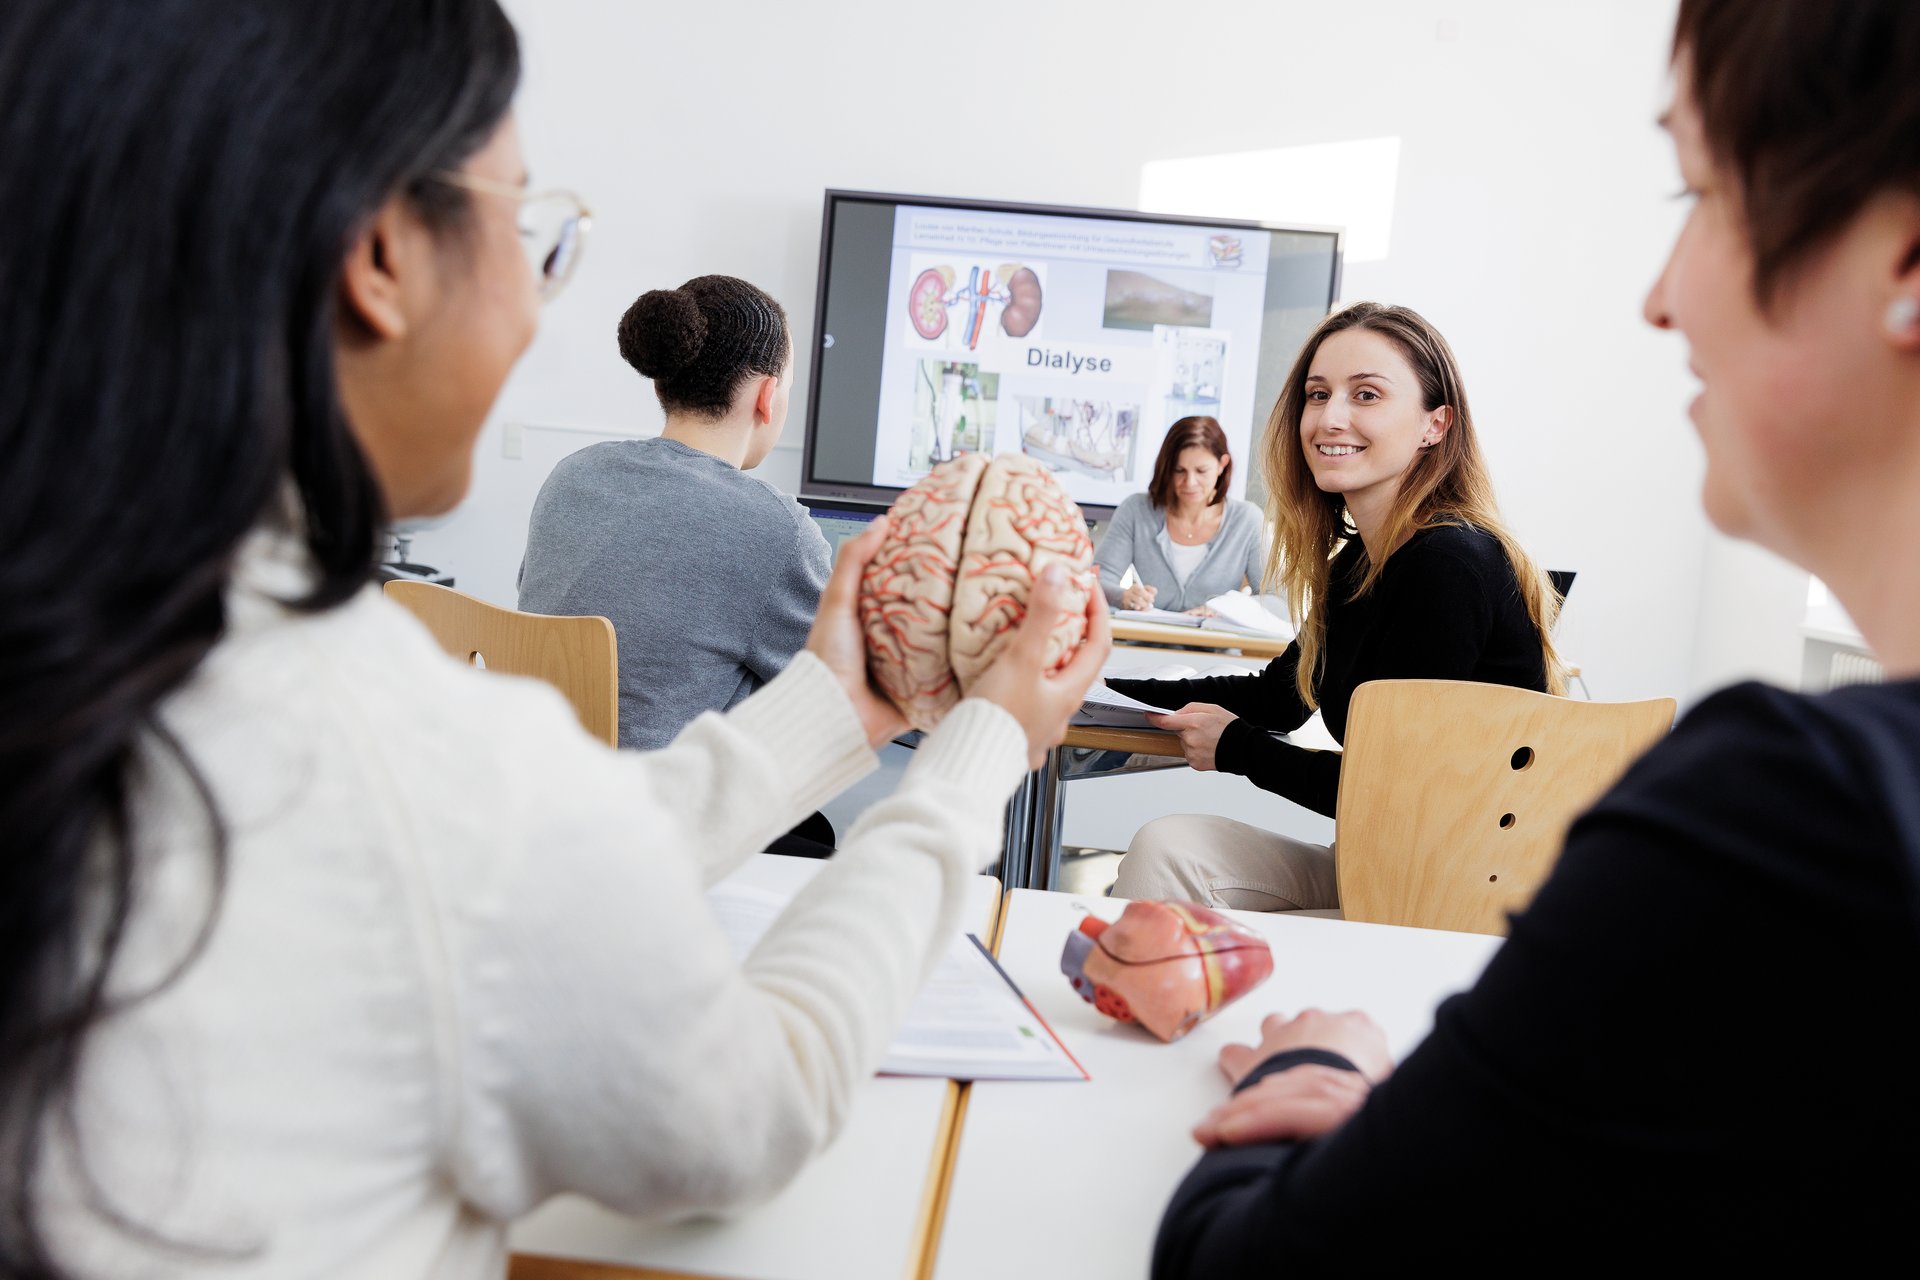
(1057, 1180)
(864, 1208)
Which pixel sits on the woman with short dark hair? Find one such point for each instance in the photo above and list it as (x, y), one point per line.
(1186, 540)
(1693, 1050)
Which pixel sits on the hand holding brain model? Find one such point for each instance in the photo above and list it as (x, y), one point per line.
(944, 600)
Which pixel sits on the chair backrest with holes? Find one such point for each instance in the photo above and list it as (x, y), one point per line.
(578, 656)
(1455, 797)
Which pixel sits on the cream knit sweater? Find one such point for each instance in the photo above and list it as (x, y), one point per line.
(462, 961)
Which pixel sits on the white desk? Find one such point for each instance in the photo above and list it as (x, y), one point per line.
(1058, 1180)
(862, 1209)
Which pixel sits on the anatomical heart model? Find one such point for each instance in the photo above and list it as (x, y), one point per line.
(950, 582)
(1168, 966)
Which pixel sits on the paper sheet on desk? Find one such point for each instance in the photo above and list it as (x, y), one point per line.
(1236, 611)
(1165, 617)
(1170, 671)
(1246, 613)
(1103, 707)
(1111, 709)
(967, 1023)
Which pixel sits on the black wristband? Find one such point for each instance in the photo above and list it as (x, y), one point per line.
(1290, 1058)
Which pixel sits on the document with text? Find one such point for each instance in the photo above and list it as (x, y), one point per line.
(969, 1022)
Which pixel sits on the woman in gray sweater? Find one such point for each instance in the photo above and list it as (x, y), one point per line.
(1185, 538)
(709, 575)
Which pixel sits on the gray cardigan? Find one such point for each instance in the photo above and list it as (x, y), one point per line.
(710, 575)
(1137, 535)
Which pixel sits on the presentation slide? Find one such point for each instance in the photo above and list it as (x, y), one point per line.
(1076, 341)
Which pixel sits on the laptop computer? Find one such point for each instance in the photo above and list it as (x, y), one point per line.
(841, 518)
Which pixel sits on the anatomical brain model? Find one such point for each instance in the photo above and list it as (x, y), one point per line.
(950, 582)
(1168, 966)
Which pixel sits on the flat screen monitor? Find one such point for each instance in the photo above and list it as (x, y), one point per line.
(1075, 336)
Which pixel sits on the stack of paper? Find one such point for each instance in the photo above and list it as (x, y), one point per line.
(1111, 709)
(1104, 707)
(1242, 612)
(1236, 610)
(1162, 617)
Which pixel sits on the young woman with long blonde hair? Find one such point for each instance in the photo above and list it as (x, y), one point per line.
(1390, 548)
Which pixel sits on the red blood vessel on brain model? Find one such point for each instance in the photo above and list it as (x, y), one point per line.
(950, 582)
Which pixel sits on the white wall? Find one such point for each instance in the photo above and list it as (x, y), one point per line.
(1752, 607)
(1531, 213)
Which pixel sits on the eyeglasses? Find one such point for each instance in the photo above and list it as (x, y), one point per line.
(553, 226)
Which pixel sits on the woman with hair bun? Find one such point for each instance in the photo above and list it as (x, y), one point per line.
(710, 575)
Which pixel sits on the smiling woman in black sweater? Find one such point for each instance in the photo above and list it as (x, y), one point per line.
(1392, 549)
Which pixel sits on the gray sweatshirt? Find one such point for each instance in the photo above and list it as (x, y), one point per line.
(710, 576)
(1137, 535)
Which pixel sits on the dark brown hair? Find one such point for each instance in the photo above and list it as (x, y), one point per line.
(1813, 105)
(1196, 432)
(701, 341)
(203, 401)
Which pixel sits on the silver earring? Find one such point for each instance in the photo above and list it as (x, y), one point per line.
(1903, 313)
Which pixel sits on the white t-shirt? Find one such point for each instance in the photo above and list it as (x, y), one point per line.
(1185, 559)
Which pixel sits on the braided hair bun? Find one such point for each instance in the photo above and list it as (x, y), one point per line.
(662, 333)
(700, 342)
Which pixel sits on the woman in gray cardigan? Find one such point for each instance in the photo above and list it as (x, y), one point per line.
(1185, 538)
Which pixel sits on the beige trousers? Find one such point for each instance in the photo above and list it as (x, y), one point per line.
(1218, 862)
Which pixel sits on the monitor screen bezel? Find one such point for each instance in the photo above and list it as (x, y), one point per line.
(883, 495)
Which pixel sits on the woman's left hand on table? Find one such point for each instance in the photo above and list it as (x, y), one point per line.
(1297, 1105)
(1304, 1101)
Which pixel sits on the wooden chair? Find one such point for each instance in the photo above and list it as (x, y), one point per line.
(578, 656)
(1455, 797)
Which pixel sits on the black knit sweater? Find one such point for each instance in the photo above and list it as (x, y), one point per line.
(1693, 1054)
(1447, 607)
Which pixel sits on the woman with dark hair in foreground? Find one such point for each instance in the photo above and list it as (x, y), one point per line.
(1694, 1047)
(321, 954)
